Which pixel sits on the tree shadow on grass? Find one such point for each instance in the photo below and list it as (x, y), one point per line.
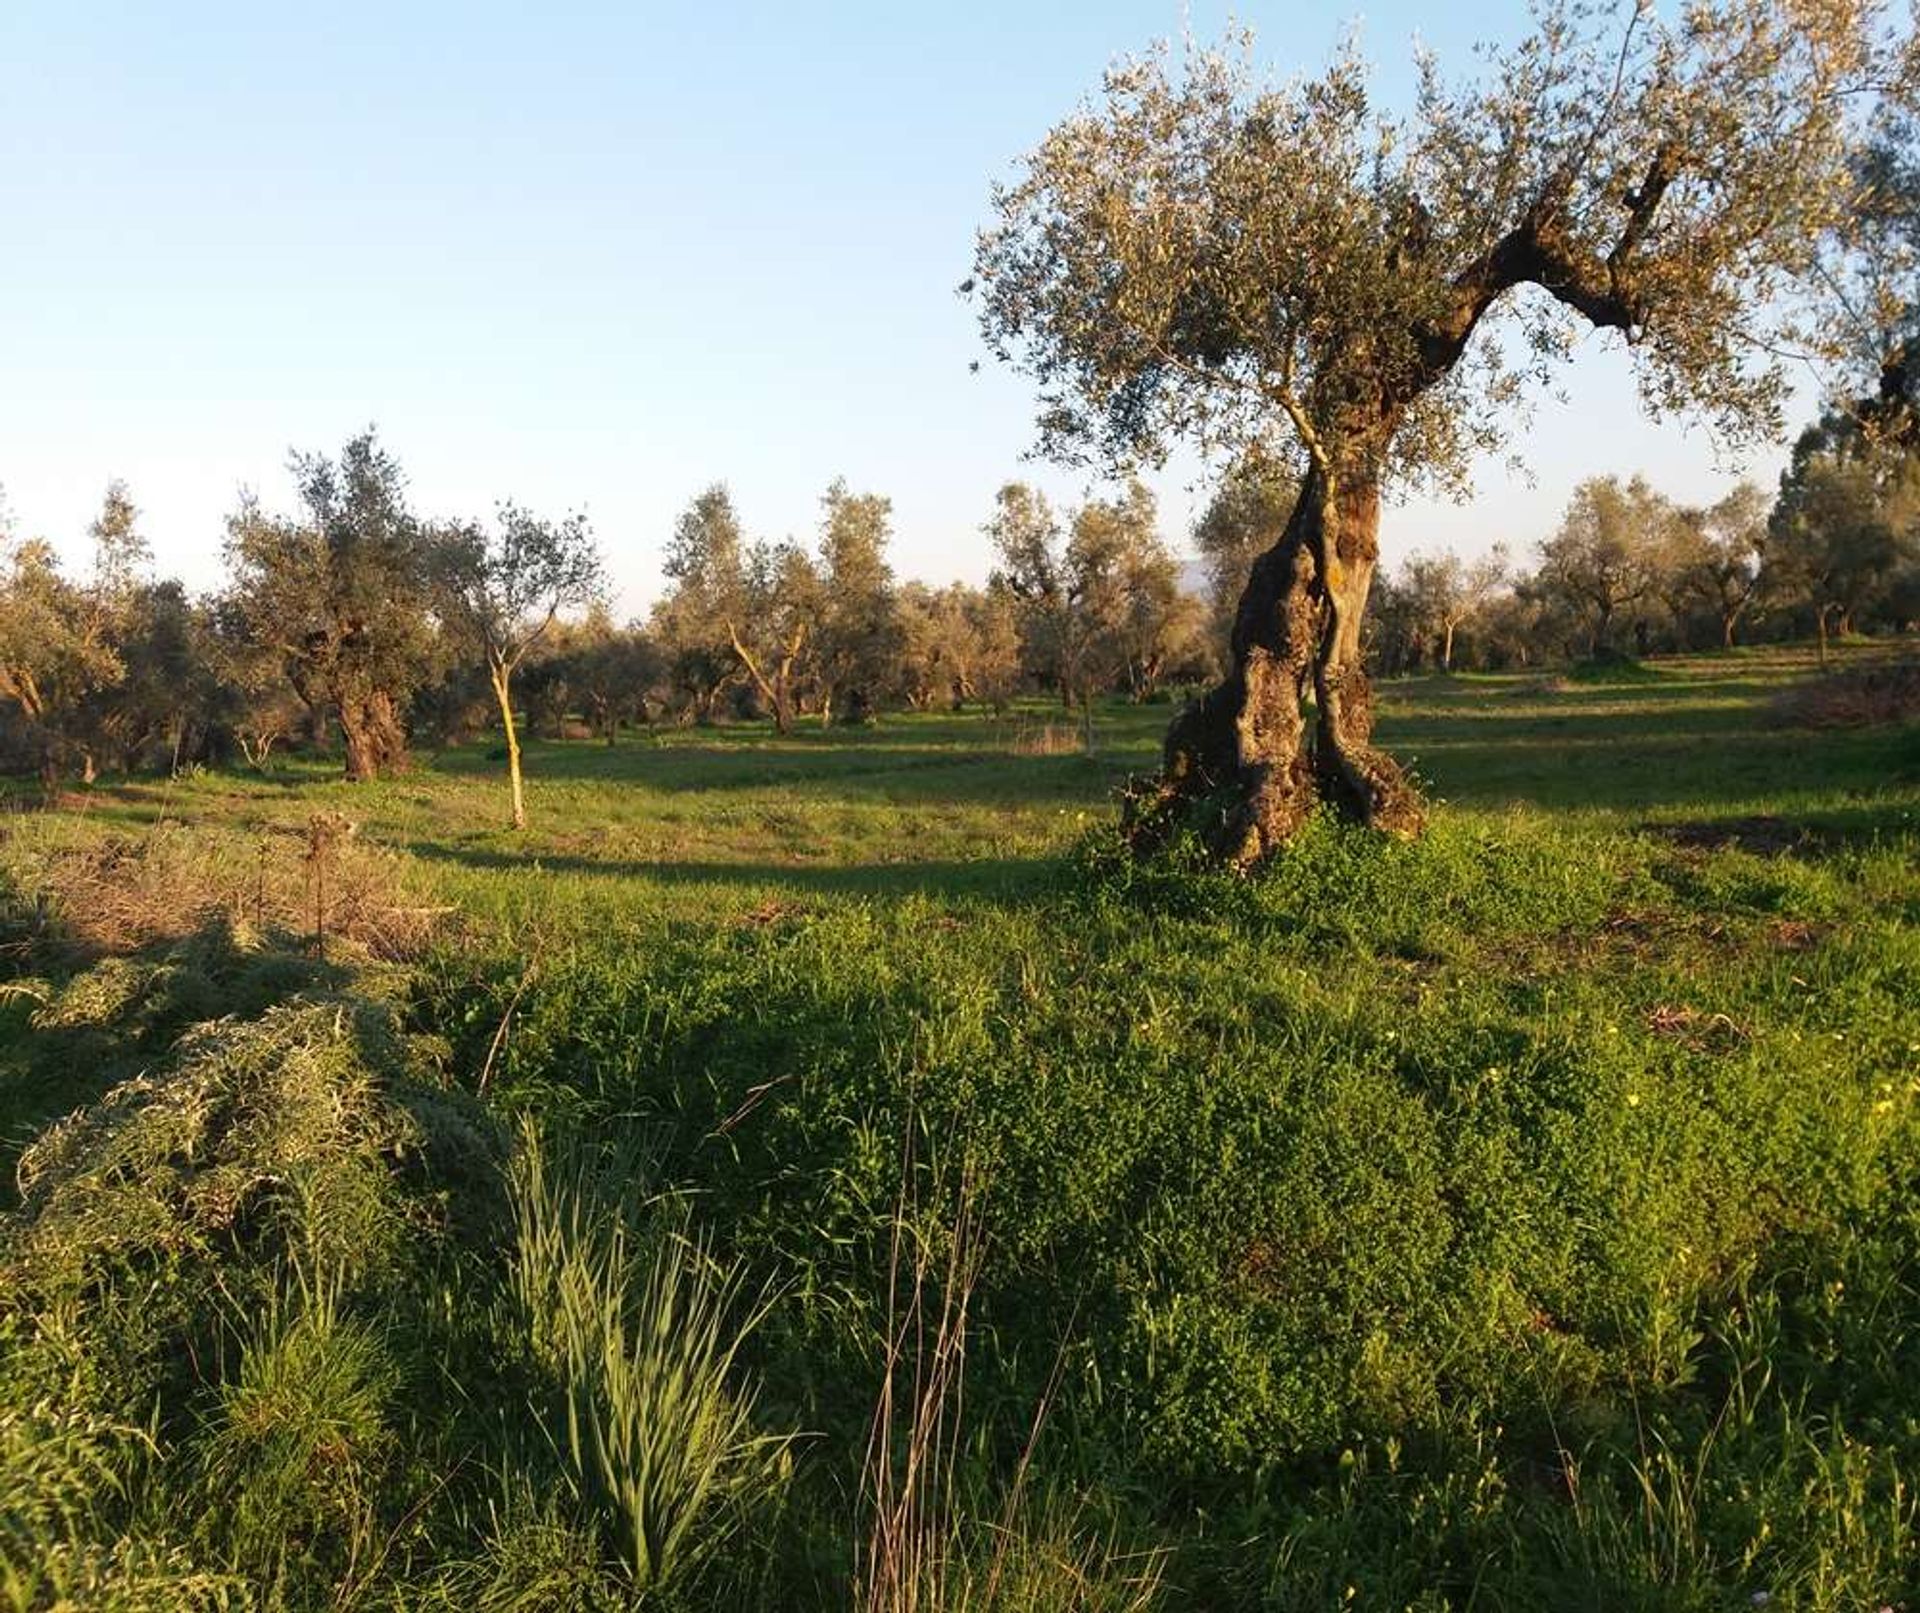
(1633, 769)
(1001, 881)
(1811, 835)
(905, 775)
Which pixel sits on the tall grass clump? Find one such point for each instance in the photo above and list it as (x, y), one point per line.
(297, 1450)
(932, 1542)
(66, 1474)
(638, 1330)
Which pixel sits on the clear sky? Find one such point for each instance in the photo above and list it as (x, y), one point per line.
(591, 256)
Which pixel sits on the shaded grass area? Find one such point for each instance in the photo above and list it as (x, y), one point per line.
(1521, 1218)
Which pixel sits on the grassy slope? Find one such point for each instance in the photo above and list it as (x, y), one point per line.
(1524, 1214)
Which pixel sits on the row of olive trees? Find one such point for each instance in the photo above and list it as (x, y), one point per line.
(344, 613)
(1080, 604)
(352, 615)
(1630, 570)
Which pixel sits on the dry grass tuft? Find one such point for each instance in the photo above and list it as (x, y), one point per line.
(1859, 697)
(1048, 739)
(125, 892)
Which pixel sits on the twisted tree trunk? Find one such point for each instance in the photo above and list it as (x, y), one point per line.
(1240, 770)
(375, 740)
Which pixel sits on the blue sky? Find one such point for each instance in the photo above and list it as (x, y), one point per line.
(589, 256)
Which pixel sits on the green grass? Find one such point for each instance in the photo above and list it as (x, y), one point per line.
(1519, 1218)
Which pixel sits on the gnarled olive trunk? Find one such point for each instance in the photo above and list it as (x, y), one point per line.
(375, 740)
(1241, 768)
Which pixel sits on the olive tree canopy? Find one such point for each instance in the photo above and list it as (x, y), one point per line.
(1202, 256)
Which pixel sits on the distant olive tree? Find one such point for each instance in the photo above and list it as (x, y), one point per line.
(617, 671)
(1606, 555)
(505, 588)
(1203, 257)
(776, 627)
(1720, 555)
(342, 593)
(1055, 584)
(1444, 593)
(858, 639)
(52, 654)
(1245, 518)
(1845, 530)
(706, 571)
(63, 643)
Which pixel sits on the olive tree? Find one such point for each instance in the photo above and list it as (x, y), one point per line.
(1065, 576)
(1720, 557)
(1445, 593)
(1606, 554)
(1846, 525)
(53, 654)
(1202, 256)
(781, 606)
(858, 637)
(342, 593)
(706, 570)
(62, 643)
(506, 588)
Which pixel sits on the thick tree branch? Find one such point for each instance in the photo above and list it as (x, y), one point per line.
(1537, 252)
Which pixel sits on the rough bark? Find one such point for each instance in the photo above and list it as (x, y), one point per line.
(375, 740)
(1239, 769)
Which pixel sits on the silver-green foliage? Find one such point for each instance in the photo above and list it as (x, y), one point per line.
(279, 1124)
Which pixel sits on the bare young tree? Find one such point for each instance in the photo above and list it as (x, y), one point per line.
(1445, 593)
(506, 588)
(1202, 257)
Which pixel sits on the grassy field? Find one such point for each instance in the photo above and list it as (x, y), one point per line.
(1521, 1218)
